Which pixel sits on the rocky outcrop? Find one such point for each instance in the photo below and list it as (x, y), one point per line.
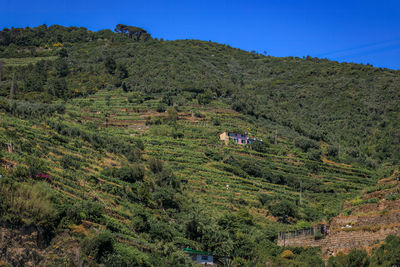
(29, 245)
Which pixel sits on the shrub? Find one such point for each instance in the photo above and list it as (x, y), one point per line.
(129, 173)
(180, 259)
(99, 246)
(36, 166)
(388, 254)
(259, 146)
(332, 151)
(156, 165)
(20, 172)
(161, 107)
(313, 166)
(358, 258)
(27, 204)
(318, 236)
(85, 210)
(283, 209)
(205, 98)
(314, 154)
(161, 231)
(166, 198)
(172, 114)
(305, 143)
(264, 198)
(287, 254)
(214, 155)
(126, 256)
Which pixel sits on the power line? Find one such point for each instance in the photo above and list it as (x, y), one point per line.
(358, 47)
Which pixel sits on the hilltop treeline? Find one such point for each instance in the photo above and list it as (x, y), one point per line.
(57, 34)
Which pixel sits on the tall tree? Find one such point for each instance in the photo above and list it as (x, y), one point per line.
(132, 31)
(61, 67)
(110, 65)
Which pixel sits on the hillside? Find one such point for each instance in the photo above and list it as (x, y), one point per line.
(114, 147)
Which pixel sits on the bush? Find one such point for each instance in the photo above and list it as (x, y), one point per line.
(214, 154)
(259, 146)
(36, 166)
(287, 254)
(156, 165)
(305, 143)
(85, 210)
(388, 254)
(172, 115)
(23, 109)
(129, 173)
(99, 246)
(265, 198)
(358, 258)
(332, 151)
(126, 256)
(283, 209)
(161, 107)
(180, 259)
(314, 154)
(205, 98)
(27, 204)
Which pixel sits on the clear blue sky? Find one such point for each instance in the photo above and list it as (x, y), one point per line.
(353, 31)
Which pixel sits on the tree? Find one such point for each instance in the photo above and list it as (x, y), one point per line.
(63, 53)
(58, 87)
(283, 209)
(133, 32)
(172, 114)
(122, 72)
(205, 98)
(110, 65)
(156, 165)
(61, 67)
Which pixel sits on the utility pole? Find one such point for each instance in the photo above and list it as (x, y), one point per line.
(276, 137)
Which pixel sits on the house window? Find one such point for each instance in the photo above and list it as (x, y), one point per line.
(243, 141)
(236, 140)
(204, 258)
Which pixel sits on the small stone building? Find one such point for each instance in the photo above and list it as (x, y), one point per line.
(241, 139)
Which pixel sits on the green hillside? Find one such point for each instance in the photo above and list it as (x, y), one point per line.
(115, 146)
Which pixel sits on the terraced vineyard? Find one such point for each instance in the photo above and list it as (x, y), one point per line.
(207, 177)
(188, 143)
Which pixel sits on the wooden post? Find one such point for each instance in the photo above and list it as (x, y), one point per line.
(276, 137)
